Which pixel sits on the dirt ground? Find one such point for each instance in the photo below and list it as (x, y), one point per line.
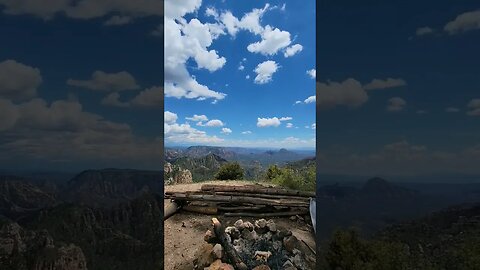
(184, 231)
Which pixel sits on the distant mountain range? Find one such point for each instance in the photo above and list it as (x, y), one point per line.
(111, 186)
(100, 219)
(204, 161)
(238, 154)
(374, 205)
(203, 167)
(445, 239)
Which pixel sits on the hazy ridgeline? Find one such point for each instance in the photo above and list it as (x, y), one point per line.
(204, 163)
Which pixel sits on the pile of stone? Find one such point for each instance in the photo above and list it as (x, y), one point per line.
(260, 246)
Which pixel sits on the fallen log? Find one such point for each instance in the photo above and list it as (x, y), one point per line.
(309, 247)
(230, 251)
(171, 209)
(240, 208)
(236, 199)
(274, 214)
(245, 194)
(257, 190)
(207, 210)
(261, 195)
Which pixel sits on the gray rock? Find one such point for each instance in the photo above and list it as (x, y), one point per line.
(261, 226)
(233, 232)
(248, 225)
(277, 245)
(210, 237)
(288, 263)
(272, 226)
(204, 256)
(290, 243)
(284, 233)
(218, 251)
(239, 224)
(299, 262)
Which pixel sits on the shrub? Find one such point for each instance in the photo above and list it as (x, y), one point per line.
(347, 250)
(288, 178)
(272, 172)
(303, 179)
(230, 171)
(310, 178)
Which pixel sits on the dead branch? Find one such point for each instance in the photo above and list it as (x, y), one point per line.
(257, 190)
(230, 251)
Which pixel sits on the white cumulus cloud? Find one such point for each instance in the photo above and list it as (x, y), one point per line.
(474, 107)
(271, 122)
(185, 40)
(422, 31)
(383, 84)
(226, 131)
(265, 71)
(348, 93)
(396, 104)
(18, 81)
(312, 73)
(197, 118)
(109, 82)
(464, 22)
(273, 40)
(292, 50)
(310, 99)
(170, 117)
(214, 123)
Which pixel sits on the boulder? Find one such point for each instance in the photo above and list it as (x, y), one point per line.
(219, 265)
(239, 225)
(204, 256)
(218, 251)
(290, 243)
(261, 226)
(271, 226)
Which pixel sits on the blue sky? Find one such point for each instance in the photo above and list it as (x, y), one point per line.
(425, 118)
(80, 84)
(241, 67)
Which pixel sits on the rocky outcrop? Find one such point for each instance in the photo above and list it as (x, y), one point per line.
(17, 196)
(103, 219)
(107, 187)
(173, 174)
(201, 168)
(26, 249)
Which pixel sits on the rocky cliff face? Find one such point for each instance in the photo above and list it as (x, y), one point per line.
(72, 237)
(18, 196)
(110, 186)
(201, 168)
(106, 219)
(26, 249)
(173, 174)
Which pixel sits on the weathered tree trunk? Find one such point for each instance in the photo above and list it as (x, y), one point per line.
(257, 190)
(242, 208)
(275, 214)
(171, 209)
(236, 199)
(261, 195)
(207, 210)
(230, 251)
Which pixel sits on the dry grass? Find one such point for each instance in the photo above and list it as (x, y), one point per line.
(197, 186)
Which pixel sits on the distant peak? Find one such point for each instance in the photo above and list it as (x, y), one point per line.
(377, 180)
